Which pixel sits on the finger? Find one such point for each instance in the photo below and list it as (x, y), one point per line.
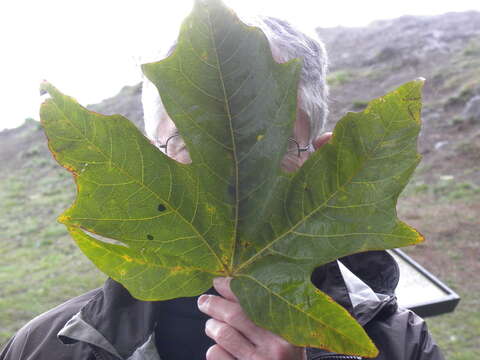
(229, 339)
(222, 285)
(322, 140)
(231, 313)
(216, 352)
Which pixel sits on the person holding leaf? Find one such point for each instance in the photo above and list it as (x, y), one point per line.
(111, 324)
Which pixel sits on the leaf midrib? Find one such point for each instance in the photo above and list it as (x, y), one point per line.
(234, 149)
(333, 329)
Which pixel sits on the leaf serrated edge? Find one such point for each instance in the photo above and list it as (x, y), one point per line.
(63, 218)
(372, 103)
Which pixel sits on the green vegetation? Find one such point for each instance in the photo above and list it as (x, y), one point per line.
(359, 105)
(450, 189)
(461, 74)
(460, 99)
(341, 77)
(473, 48)
(470, 148)
(449, 220)
(40, 266)
(387, 53)
(447, 188)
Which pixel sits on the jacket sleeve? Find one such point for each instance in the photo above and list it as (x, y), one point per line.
(403, 336)
(38, 338)
(5, 351)
(14, 348)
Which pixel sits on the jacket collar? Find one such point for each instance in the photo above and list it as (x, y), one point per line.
(113, 321)
(363, 283)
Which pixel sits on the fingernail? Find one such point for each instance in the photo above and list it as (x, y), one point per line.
(202, 300)
(210, 349)
(211, 327)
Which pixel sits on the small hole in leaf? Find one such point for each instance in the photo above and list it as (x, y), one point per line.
(150, 237)
(161, 207)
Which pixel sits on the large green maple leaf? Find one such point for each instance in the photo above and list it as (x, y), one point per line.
(233, 211)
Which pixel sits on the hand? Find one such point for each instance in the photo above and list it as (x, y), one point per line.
(236, 336)
(322, 140)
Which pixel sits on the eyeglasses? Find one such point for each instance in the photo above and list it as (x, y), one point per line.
(158, 144)
(165, 146)
(293, 146)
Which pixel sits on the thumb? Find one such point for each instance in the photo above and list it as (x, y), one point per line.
(322, 140)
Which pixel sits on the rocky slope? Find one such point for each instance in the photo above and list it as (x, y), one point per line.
(445, 50)
(127, 103)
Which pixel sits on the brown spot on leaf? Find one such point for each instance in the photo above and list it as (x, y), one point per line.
(176, 269)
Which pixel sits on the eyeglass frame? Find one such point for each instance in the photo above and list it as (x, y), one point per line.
(299, 148)
(165, 146)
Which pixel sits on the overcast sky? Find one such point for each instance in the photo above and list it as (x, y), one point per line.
(89, 49)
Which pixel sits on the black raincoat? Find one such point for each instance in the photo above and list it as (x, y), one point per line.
(109, 324)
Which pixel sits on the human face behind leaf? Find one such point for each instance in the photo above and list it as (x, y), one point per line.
(174, 146)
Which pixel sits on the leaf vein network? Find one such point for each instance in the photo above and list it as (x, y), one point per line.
(323, 204)
(122, 170)
(307, 315)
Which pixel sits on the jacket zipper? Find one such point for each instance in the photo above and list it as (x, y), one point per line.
(97, 355)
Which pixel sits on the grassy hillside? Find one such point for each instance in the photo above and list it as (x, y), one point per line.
(40, 266)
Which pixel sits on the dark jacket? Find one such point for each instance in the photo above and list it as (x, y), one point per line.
(109, 324)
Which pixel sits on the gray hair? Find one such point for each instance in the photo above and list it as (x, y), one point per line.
(286, 43)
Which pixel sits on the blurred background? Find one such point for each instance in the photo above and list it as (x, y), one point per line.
(92, 51)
